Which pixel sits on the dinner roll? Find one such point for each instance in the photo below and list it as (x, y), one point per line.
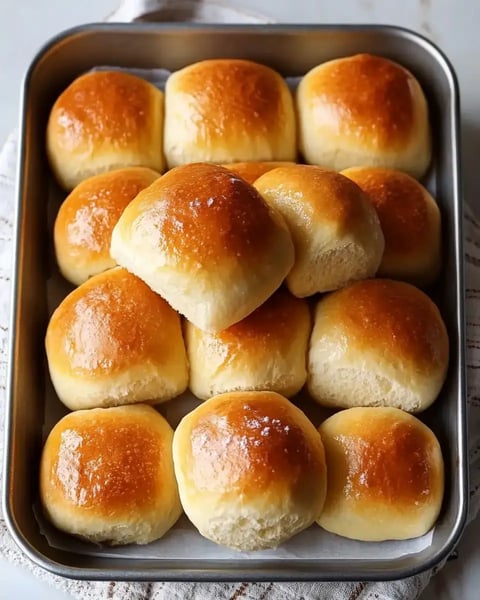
(335, 229)
(228, 110)
(385, 475)
(250, 469)
(84, 223)
(113, 341)
(105, 120)
(265, 351)
(106, 474)
(251, 171)
(377, 343)
(363, 110)
(410, 220)
(207, 242)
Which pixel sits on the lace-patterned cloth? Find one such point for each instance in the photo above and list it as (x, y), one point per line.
(406, 589)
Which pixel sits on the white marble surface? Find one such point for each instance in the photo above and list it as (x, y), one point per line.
(26, 24)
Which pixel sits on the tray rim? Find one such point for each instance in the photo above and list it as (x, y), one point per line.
(244, 574)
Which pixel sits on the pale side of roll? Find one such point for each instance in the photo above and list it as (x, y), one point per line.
(334, 227)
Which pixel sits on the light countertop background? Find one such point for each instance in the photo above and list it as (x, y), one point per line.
(26, 24)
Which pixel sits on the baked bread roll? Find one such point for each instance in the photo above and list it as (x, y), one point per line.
(377, 342)
(207, 242)
(228, 110)
(385, 475)
(105, 120)
(84, 223)
(106, 475)
(113, 341)
(265, 351)
(410, 220)
(251, 171)
(250, 469)
(363, 110)
(335, 229)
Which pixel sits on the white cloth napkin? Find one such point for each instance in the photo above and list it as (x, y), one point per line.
(193, 11)
(406, 589)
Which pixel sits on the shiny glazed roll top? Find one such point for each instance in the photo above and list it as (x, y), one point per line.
(377, 342)
(228, 110)
(265, 351)
(207, 242)
(86, 218)
(250, 468)
(113, 341)
(106, 475)
(363, 110)
(385, 475)
(105, 120)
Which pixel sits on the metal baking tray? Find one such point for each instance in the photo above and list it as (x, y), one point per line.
(31, 405)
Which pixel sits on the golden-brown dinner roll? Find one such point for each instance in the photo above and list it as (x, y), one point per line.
(228, 110)
(335, 229)
(251, 171)
(84, 223)
(265, 351)
(105, 120)
(410, 220)
(113, 341)
(106, 474)
(385, 475)
(250, 469)
(377, 342)
(363, 110)
(207, 242)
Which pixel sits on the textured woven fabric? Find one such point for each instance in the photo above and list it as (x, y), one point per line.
(398, 590)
